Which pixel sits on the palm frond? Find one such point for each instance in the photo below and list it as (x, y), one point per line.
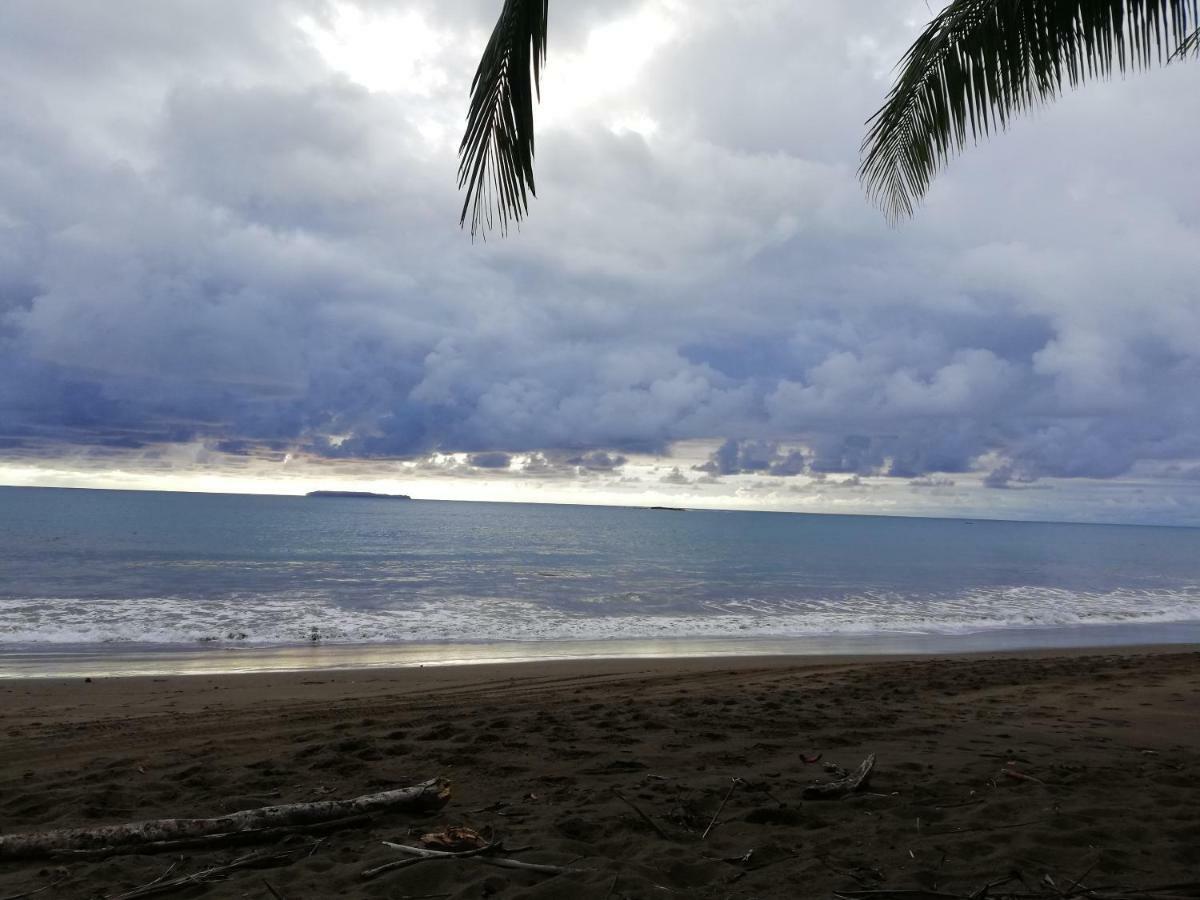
(1190, 45)
(980, 62)
(496, 155)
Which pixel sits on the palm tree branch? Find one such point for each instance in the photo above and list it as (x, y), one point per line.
(1190, 45)
(980, 62)
(495, 158)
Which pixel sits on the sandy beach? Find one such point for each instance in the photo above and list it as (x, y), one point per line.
(1058, 771)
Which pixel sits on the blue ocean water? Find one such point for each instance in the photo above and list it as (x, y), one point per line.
(80, 569)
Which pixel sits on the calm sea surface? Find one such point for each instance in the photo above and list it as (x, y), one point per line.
(125, 570)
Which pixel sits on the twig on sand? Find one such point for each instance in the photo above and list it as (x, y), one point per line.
(749, 870)
(886, 894)
(501, 861)
(1078, 882)
(645, 818)
(44, 887)
(1021, 776)
(1192, 886)
(412, 861)
(216, 873)
(392, 866)
(733, 786)
(1162, 892)
(271, 890)
(985, 891)
(946, 831)
(161, 878)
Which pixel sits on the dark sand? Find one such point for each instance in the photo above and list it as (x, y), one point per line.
(534, 751)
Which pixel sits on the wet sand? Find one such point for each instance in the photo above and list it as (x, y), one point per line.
(1081, 766)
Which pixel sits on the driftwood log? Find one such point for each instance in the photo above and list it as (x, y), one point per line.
(855, 781)
(427, 796)
(209, 841)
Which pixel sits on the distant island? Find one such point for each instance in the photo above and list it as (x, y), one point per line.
(669, 508)
(355, 495)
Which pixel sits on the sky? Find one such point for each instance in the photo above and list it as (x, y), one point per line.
(230, 260)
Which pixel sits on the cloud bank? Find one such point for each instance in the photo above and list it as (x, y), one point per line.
(237, 226)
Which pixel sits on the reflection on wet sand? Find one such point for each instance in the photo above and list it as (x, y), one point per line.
(213, 661)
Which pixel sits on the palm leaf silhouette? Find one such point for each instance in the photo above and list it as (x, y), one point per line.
(496, 155)
(1191, 44)
(980, 62)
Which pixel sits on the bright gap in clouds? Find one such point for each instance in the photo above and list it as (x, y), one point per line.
(381, 51)
(403, 53)
(592, 80)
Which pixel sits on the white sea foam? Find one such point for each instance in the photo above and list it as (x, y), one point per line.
(258, 620)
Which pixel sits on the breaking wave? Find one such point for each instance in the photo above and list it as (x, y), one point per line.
(254, 619)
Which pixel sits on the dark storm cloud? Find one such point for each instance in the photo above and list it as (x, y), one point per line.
(1006, 477)
(492, 460)
(207, 234)
(748, 457)
(598, 461)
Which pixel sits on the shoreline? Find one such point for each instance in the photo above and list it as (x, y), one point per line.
(1047, 762)
(112, 693)
(55, 661)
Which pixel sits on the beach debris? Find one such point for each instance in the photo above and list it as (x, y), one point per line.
(845, 784)
(917, 894)
(42, 889)
(483, 855)
(392, 866)
(496, 808)
(979, 828)
(1021, 776)
(733, 786)
(809, 759)
(758, 859)
(455, 838)
(154, 834)
(207, 842)
(645, 818)
(161, 885)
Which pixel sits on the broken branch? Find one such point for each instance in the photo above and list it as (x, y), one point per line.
(645, 818)
(732, 787)
(501, 861)
(831, 790)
